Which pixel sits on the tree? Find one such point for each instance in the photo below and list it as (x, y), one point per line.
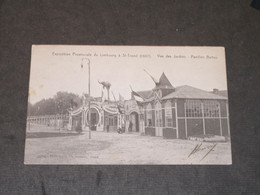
(59, 104)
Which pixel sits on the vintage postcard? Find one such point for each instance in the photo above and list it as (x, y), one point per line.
(127, 105)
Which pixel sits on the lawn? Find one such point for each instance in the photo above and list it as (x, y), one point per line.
(49, 146)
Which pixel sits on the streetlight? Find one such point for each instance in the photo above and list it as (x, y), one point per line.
(89, 117)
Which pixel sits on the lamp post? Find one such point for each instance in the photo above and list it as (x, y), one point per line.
(89, 116)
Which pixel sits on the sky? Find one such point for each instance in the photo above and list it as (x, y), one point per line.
(59, 68)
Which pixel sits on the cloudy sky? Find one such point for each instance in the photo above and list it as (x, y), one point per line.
(58, 68)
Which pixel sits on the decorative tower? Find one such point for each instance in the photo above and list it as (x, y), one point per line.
(163, 87)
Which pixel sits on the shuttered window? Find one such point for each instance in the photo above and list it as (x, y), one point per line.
(158, 115)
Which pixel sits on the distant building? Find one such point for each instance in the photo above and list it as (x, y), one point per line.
(134, 121)
(178, 112)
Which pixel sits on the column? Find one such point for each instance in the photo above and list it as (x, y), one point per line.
(176, 116)
(203, 117)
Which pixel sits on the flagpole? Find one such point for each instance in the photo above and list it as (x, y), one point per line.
(89, 102)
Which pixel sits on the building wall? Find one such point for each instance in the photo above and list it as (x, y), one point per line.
(223, 108)
(225, 124)
(185, 126)
(150, 131)
(212, 126)
(194, 127)
(169, 133)
(181, 128)
(180, 108)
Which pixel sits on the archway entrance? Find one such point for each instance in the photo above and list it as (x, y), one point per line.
(110, 123)
(133, 122)
(94, 118)
(76, 122)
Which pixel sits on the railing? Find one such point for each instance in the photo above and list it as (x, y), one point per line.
(58, 121)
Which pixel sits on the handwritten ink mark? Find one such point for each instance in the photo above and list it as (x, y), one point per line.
(196, 149)
(209, 151)
(199, 148)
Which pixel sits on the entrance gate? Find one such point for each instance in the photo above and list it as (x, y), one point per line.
(133, 122)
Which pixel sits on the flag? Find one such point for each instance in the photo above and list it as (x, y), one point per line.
(154, 80)
(136, 95)
(118, 107)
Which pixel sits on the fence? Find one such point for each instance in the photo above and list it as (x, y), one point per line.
(59, 121)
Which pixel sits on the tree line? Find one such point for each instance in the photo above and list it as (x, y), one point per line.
(59, 104)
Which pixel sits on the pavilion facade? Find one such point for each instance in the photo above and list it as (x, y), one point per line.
(179, 112)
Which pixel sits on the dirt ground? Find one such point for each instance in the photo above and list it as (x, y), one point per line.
(49, 146)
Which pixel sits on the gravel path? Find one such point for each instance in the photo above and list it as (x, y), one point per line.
(113, 148)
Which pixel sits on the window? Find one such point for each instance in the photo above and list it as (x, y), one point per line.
(193, 108)
(149, 115)
(211, 109)
(158, 115)
(168, 114)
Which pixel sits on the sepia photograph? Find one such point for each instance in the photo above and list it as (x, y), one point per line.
(127, 105)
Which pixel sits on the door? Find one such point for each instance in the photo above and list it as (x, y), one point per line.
(134, 122)
(94, 118)
(158, 119)
(93, 121)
